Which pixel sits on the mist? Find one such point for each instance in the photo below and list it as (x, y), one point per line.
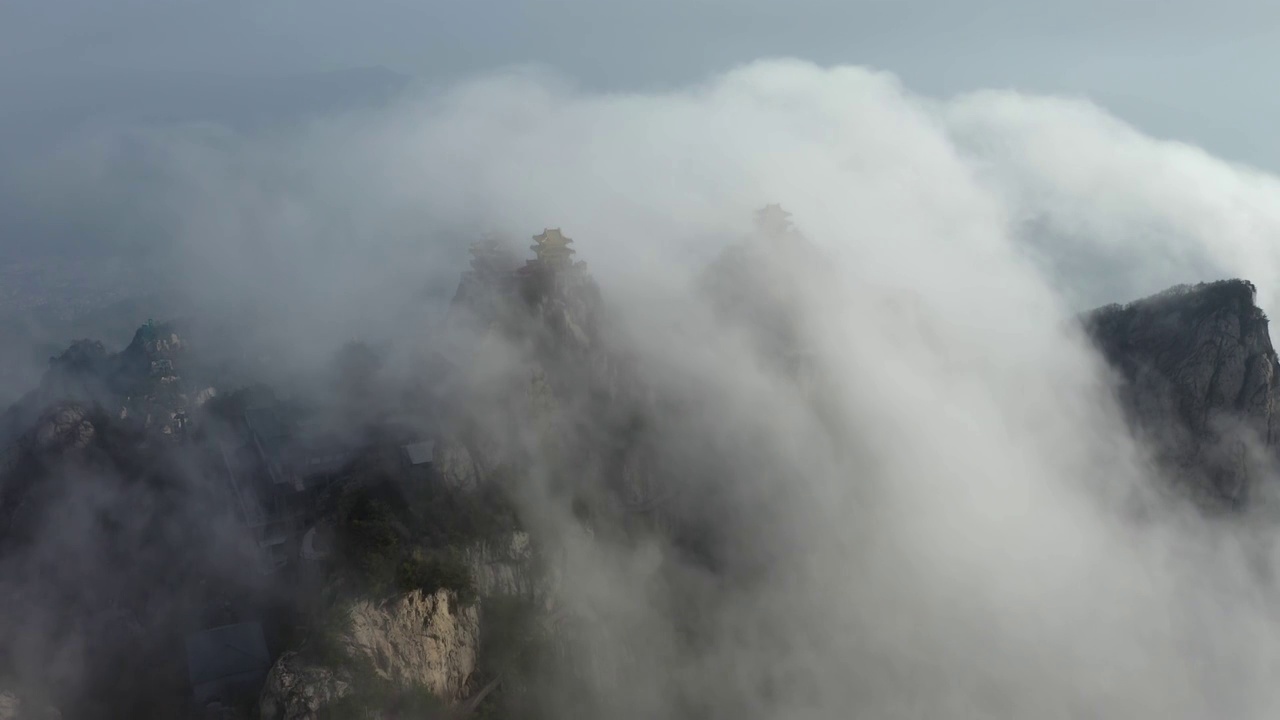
(945, 521)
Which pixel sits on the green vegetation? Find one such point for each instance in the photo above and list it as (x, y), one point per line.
(1192, 301)
(388, 549)
(513, 641)
(429, 572)
(369, 541)
(323, 645)
(444, 517)
(517, 646)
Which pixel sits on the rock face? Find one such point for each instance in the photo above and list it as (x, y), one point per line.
(417, 640)
(412, 641)
(1198, 379)
(504, 568)
(296, 690)
(142, 385)
(147, 375)
(62, 428)
(455, 465)
(63, 432)
(541, 387)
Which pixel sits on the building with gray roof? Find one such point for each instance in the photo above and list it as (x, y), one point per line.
(227, 663)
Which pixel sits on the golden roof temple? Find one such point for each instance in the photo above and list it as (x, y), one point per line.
(552, 249)
(773, 220)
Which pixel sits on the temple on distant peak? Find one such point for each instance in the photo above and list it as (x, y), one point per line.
(491, 256)
(773, 220)
(552, 250)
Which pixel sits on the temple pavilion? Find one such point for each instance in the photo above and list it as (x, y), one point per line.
(490, 256)
(552, 250)
(773, 220)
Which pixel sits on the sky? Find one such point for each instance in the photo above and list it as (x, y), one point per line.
(1188, 70)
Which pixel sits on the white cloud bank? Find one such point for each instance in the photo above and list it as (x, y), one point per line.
(949, 547)
(868, 168)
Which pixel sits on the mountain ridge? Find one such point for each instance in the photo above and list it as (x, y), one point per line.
(1197, 378)
(390, 541)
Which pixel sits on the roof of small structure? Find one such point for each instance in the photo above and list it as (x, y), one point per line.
(316, 544)
(420, 453)
(227, 653)
(266, 422)
(492, 253)
(772, 216)
(552, 238)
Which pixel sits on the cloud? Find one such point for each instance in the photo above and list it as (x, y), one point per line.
(1097, 195)
(939, 529)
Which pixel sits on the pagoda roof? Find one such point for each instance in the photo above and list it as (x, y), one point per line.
(552, 238)
(491, 253)
(773, 220)
(772, 214)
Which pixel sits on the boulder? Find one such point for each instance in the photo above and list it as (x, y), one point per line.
(298, 690)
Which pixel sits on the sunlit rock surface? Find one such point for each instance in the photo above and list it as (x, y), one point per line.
(410, 641)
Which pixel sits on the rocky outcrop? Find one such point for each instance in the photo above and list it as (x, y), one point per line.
(455, 465)
(503, 566)
(298, 690)
(148, 377)
(142, 385)
(540, 383)
(413, 641)
(417, 640)
(62, 428)
(62, 433)
(1198, 379)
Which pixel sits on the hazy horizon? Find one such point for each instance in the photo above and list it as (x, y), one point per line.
(1180, 69)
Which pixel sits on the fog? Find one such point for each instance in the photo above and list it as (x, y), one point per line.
(943, 523)
(355, 216)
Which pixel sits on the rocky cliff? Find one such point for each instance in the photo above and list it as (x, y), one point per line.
(446, 589)
(107, 537)
(1197, 376)
(418, 560)
(381, 653)
(550, 407)
(504, 566)
(417, 640)
(151, 384)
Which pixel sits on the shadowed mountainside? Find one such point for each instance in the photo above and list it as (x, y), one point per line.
(1198, 380)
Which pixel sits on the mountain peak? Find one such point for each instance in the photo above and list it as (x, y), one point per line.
(1198, 378)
